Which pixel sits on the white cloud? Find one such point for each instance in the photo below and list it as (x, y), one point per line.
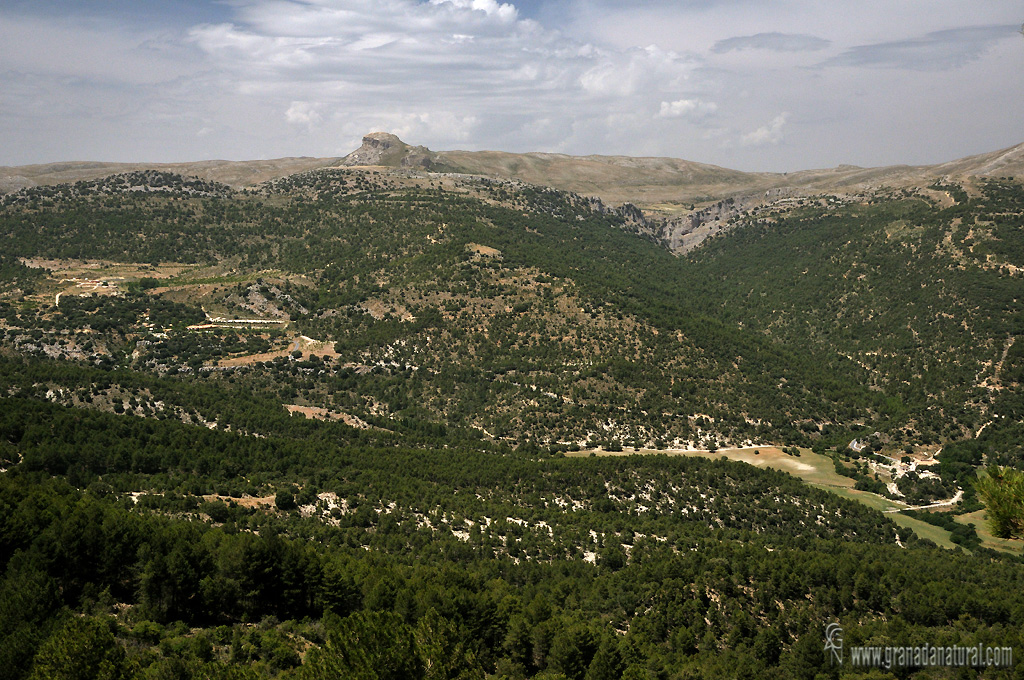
(448, 65)
(687, 108)
(766, 134)
(303, 113)
(504, 11)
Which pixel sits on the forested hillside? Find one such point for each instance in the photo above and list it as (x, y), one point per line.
(577, 329)
(317, 429)
(925, 294)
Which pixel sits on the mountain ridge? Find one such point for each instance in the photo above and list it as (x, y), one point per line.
(660, 184)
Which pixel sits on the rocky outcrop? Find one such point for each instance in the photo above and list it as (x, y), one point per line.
(683, 234)
(384, 148)
(378, 149)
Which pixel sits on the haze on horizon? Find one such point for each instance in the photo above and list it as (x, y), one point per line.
(746, 84)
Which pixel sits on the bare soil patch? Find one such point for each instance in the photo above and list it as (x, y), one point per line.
(244, 501)
(483, 250)
(809, 466)
(302, 343)
(317, 413)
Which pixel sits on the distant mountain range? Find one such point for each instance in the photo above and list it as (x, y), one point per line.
(665, 185)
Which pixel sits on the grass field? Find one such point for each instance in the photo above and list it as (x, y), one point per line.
(980, 521)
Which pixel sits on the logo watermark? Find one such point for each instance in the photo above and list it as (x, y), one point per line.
(915, 656)
(834, 642)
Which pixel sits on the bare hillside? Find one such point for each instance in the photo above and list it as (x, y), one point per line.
(615, 179)
(234, 173)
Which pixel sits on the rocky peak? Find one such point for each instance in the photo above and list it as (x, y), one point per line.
(382, 141)
(379, 148)
(384, 148)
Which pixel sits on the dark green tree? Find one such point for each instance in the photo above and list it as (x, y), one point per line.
(84, 649)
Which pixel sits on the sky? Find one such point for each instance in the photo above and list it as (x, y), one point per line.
(767, 85)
